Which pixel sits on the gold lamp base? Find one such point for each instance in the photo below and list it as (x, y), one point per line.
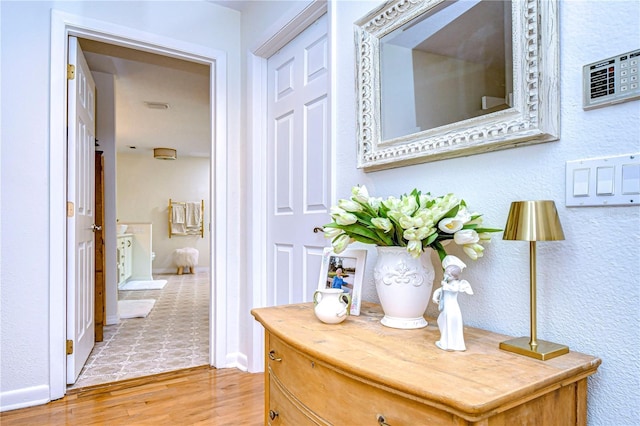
(544, 351)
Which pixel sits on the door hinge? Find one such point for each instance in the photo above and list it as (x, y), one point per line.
(71, 72)
(70, 209)
(69, 347)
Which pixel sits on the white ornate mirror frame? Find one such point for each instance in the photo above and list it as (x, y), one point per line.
(532, 118)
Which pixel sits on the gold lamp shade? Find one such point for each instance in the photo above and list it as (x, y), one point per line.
(533, 221)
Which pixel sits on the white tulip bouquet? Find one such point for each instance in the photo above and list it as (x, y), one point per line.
(415, 221)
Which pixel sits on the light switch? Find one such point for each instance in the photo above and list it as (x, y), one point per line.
(581, 182)
(631, 178)
(604, 180)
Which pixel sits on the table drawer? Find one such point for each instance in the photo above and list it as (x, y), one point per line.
(285, 410)
(342, 399)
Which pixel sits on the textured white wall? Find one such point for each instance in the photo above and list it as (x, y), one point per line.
(259, 22)
(144, 186)
(105, 133)
(588, 293)
(25, 34)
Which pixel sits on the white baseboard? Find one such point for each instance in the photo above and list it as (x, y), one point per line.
(141, 278)
(175, 270)
(112, 319)
(22, 398)
(165, 270)
(237, 360)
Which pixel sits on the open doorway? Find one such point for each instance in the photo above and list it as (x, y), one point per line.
(173, 336)
(155, 321)
(64, 25)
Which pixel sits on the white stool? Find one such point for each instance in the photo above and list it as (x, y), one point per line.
(186, 258)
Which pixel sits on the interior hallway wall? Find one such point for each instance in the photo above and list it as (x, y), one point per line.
(260, 22)
(588, 293)
(105, 134)
(25, 34)
(144, 186)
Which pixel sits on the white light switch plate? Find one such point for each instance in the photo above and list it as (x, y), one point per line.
(605, 181)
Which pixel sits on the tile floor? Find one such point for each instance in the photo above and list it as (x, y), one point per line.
(175, 335)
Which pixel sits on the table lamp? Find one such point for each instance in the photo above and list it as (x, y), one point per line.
(533, 221)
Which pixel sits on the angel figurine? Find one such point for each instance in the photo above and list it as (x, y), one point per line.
(450, 318)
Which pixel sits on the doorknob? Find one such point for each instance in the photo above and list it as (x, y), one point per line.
(95, 227)
(318, 229)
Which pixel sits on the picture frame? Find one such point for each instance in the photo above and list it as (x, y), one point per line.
(351, 264)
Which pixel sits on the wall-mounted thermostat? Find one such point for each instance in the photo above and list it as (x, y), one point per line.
(611, 81)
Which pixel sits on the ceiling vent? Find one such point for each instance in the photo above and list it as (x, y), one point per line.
(165, 153)
(157, 105)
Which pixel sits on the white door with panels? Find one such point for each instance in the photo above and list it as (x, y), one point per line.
(80, 211)
(298, 164)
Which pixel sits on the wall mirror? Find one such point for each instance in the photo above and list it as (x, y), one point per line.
(439, 79)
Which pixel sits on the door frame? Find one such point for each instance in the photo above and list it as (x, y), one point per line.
(63, 25)
(257, 107)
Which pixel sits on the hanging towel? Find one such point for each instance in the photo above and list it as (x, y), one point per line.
(177, 213)
(178, 228)
(193, 215)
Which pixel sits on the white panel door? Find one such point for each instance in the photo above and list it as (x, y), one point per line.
(298, 169)
(80, 212)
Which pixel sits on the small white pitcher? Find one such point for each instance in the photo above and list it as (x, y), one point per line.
(331, 305)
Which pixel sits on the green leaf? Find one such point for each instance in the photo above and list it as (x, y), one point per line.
(367, 208)
(430, 239)
(452, 213)
(384, 211)
(399, 238)
(365, 240)
(363, 218)
(440, 249)
(359, 231)
(416, 195)
(384, 237)
(485, 230)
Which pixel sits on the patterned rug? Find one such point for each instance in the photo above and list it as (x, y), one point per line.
(175, 335)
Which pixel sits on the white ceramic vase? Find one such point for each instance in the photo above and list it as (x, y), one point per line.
(404, 285)
(331, 305)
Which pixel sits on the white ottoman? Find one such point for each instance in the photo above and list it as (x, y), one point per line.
(186, 258)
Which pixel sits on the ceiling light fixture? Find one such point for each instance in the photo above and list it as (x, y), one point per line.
(157, 105)
(165, 153)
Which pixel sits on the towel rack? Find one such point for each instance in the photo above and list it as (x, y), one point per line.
(177, 226)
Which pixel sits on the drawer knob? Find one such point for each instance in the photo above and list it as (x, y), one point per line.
(272, 356)
(382, 421)
(273, 414)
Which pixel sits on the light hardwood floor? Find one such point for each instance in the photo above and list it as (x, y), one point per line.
(196, 396)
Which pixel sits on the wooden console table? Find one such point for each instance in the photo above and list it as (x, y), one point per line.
(360, 372)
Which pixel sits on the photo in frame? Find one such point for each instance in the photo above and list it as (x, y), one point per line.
(345, 271)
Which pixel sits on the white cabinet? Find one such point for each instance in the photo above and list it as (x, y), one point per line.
(141, 251)
(125, 257)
